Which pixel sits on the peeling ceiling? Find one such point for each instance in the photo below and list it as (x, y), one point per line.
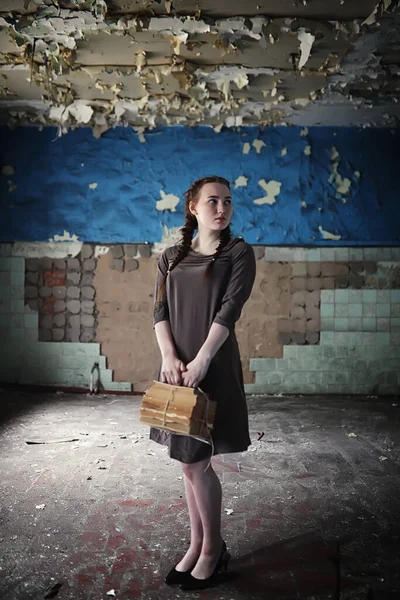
(229, 63)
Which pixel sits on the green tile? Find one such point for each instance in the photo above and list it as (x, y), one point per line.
(290, 351)
(5, 264)
(327, 338)
(369, 310)
(327, 296)
(72, 348)
(18, 278)
(251, 388)
(341, 310)
(383, 338)
(383, 310)
(368, 324)
(262, 364)
(383, 296)
(341, 254)
(17, 264)
(31, 320)
(18, 334)
(355, 296)
(369, 296)
(356, 254)
(342, 351)
(18, 291)
(327, 323)
(327, 310)
(394, 296)
(342, 338)
(282, 364)
(329, 351)
(342, 296)
(314, 255)
(395, 310)
(395, 338)
(17, 305)
(341, 324)
(296, 364)
(395, 323)
(355, 338)
(327, 254)
(17, 321)
(355, 324)
(5, 291)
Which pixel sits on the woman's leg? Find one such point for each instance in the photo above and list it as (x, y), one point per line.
(207, 492)
(196, 530)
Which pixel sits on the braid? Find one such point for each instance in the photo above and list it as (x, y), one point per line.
(225, 236)
(182, 250)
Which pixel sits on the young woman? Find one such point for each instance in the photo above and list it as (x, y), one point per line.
(202, 285)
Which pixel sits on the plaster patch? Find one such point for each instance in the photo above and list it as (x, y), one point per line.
(100, 251)
(93, 186)
(170, 236)
(246, 148)
(8, 170)
(241, 181)
(283, 151)
(306, 41)
(11, 186)
(65, 237)
(327, 235)
(357, 174)
(342, 184)
(304, 204)
(44, 249)
(302, 101)
(304, 132)
(307, 150)
(258, 144)
(167, 202)
(273, 188)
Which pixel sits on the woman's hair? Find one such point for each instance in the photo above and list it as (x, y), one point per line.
(190, 226)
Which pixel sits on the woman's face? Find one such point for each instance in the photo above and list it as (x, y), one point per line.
(213, 208)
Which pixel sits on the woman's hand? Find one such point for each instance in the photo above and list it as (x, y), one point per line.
(171, 369)
(195, 372)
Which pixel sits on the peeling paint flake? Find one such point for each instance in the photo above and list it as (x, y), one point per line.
(306, 42)
(304, 132)
(241, 181)
(258, 144)
(167, 202)
(327, 235)
(7, 170)
(342, 184)
(246, 148)
(65, 237)
(273, 189)
(283, 151)
(307, 150)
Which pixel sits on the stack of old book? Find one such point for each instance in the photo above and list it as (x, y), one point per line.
(183, 410)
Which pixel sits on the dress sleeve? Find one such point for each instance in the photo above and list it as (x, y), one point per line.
(160, 307)
(239, 285)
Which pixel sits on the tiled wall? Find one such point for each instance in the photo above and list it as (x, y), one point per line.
(320, 320)
(358, 351)
(25, 359)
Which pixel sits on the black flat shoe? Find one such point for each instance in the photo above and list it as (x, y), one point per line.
(175, 576)
(193, 583)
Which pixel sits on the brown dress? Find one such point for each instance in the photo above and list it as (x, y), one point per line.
(191, 304)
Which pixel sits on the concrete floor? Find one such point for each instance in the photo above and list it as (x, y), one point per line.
(312, 510)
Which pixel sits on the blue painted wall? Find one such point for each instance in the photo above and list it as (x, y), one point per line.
(52, 177)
